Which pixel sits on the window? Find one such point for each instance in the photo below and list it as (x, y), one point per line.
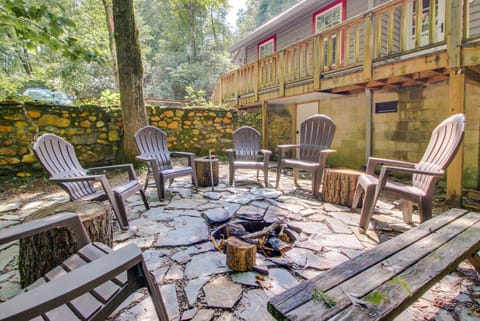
(267, 47)
(329, 16)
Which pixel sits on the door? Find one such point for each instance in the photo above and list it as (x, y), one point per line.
(426, 16)
(303, 112)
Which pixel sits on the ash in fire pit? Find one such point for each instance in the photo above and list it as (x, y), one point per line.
(242, 239)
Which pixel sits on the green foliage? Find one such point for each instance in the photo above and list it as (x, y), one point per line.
(64, 44)
(376, 298)
(401, 281)
(320, 296)
(257, 12)
(195, 97)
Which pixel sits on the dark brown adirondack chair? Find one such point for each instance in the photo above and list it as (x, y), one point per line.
(89, 285)
(153, 147)
(246, 153)
(58, 158)
(441, 150)
(316, 136)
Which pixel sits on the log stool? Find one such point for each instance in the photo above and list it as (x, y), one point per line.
(339, 185)
(40, 253)
(204, 175)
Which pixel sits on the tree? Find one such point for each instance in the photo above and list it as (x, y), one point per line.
(130, 71)
(257, 12)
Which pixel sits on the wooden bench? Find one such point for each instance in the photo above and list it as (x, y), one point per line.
(382, 282)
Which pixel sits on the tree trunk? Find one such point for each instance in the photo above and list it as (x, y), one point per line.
(40, 253)
(130, 75)
(107, 5)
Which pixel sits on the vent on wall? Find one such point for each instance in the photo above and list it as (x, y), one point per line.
(386, 107)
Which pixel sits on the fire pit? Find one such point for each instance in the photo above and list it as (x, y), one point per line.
(242, 239)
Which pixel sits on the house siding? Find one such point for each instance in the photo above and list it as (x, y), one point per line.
(475, 18)
(404, 134)
(301, 27)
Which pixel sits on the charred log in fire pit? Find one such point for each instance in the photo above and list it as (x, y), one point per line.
(242, 239)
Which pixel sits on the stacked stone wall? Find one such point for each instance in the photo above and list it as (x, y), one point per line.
(96, 131)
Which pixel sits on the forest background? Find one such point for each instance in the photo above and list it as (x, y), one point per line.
(69, 45)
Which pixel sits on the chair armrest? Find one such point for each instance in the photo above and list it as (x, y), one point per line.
(288, 146)
(328, 151)
(182, 154)
(76, 179)
(266, 152)
(70, 286)
(127, 167)
(374, 162)
(284, 148)
(27, 229)
(388, 169)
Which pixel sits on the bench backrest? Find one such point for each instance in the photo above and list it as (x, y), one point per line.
(58, 158)
(316, 134)
(152, 141)
(441, 150)
(246, 143)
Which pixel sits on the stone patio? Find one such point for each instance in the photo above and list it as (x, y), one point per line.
(193, 277)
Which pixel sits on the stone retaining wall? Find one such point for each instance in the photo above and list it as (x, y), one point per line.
(96, 132)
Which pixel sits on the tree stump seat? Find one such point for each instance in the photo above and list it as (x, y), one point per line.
(206, 171)
(40, 253)
(339, 185)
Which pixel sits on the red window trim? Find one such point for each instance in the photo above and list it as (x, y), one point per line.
(330, 6)
(274, 38)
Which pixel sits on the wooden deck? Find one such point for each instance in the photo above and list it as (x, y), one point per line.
(375, 54)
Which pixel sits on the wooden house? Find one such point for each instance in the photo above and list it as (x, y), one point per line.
(384, 76)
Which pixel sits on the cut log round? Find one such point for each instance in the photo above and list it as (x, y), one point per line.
(339, 185)
(205, 170)
(40, 253)
(241, 255)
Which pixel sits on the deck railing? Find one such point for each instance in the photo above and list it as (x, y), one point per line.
(389, 31)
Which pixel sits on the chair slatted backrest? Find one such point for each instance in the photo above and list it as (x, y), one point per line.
(58, 158)
(441, 150)
(316, 134)
(246, 143)
(152, 141)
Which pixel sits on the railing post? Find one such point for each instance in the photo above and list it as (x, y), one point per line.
(456, 95)
(220, 92)
(454, 32)
(368, 47)
(316, 63)
(281, 73)
(236, 85)
(264, 125)
(256, 72)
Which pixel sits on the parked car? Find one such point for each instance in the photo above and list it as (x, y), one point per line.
(47, 95)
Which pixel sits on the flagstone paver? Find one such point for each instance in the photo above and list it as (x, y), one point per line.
(193, 287)
(196, 283)
(222, 293)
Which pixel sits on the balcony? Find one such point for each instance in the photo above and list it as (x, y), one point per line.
(385, 47)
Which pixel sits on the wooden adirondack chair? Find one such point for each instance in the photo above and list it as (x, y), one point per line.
(89, 285)
(316, 136)
(441, 150)
(58, 158)
(246, 153)
(153, 147)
